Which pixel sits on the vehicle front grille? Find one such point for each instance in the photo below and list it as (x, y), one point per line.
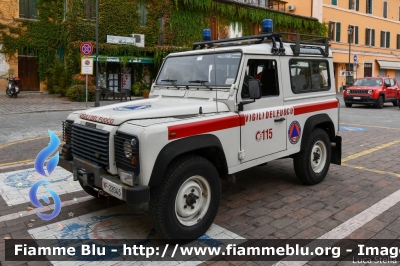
(121, 160)
(358, 92)
(90, 144)
(67, 131)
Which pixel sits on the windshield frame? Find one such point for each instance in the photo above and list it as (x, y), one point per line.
(210, 83)
(365, 79)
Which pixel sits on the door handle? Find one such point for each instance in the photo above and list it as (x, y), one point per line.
(279, 119)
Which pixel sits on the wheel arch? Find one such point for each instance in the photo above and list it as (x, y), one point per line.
(207, 146)
(322, 121)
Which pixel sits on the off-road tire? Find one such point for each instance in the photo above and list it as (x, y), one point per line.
(165, 196)
(348, 104)
(395, 103)
(379, 103)
(302, 160)
(90, 190)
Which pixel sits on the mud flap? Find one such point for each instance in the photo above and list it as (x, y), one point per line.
(336, 156)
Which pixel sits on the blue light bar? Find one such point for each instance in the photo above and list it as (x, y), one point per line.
(267, 26)
(206, 35)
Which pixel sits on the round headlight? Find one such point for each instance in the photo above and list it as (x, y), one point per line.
(369, 91)
(127, 148)
(133, 143)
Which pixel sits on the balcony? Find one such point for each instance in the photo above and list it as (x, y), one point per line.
(277, 5)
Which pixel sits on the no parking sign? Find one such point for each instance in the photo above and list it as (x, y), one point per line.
(86, 66)
(86, 48)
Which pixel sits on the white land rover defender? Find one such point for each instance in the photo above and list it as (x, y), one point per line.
(223, 107)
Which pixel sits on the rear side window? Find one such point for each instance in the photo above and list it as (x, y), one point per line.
(307, 75)
(392, 83)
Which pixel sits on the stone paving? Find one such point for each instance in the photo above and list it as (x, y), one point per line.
(33, 102)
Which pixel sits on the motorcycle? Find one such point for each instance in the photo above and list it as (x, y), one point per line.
(12, 89)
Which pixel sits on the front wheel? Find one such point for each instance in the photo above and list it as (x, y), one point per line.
(8, 92)
(184, 205)
(379, 103)
(396, 103)
(348, 104)
(312, 164)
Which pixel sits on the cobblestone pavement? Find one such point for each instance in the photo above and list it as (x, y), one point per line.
(33, 102)
(358, 200)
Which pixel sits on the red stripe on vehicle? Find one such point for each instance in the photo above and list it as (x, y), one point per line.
(314, 107)
(201, 127)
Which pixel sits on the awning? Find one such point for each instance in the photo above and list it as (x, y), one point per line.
(389, 64)
(140, 60)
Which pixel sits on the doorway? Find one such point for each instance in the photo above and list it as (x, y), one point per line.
(28, 73)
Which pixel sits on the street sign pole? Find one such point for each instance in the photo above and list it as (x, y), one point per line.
(97, 103)
(86, 90)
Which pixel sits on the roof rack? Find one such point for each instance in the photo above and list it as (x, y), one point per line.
(295, 38)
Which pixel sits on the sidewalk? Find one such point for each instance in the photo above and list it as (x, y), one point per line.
(34, 102)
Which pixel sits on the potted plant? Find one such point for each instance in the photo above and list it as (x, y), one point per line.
(145, 93)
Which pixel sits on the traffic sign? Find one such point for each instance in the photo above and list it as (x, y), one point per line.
(86, 48)
(86, 66)
(355, 58)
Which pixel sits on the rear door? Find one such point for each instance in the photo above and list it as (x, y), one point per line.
(264, 129)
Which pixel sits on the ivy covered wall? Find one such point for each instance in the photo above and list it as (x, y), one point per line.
(57, 35)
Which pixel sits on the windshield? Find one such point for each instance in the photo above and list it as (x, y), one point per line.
(368, 82)
(189, 70)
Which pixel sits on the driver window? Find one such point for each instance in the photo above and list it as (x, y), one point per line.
(266, 71)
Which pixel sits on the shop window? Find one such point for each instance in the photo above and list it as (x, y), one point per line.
(143, 11)
(28, 9)
(385, 39)
(369, 7)
(385, 9)
(354, 4)
(89, 9)
(370, 37)
(334, 31)
(309, 75)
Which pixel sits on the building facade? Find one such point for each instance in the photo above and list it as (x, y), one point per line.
(40, 39)
(373, 38)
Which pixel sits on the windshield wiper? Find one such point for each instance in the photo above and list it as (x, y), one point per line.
(202, 82)
(172, 82)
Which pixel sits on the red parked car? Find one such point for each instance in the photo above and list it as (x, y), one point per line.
(373, 91)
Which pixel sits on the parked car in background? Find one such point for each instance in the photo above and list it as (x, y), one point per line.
(372, 91)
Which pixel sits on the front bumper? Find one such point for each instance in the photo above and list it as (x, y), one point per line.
(362, 100)
(94, 177)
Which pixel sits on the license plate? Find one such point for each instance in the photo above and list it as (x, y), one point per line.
(112, 188)
(356, 98)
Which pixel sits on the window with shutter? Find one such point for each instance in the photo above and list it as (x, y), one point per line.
(385, 9)
(330, 30)
(142, 10)
(383, 38)
(338, 31)
(357, 5)
(398, 41)
(356, 34)
(372, 37)
(387, 39)
(369, 7)
(28, 9)
(89, 9)
(334, 2)
(367, 36)
(351, 4)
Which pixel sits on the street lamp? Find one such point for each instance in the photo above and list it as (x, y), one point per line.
(350, 32)
(97, 103)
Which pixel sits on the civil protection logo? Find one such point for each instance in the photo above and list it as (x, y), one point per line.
(294, 132)
(39, 167)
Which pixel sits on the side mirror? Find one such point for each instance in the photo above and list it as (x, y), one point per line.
(254, 89)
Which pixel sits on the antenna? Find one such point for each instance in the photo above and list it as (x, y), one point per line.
(215, 80)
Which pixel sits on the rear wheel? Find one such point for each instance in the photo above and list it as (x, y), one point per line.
(312, 164)
(184, 205)
(379, 102)
(348, 104)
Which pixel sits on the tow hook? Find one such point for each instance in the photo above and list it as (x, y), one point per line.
(102, 192)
